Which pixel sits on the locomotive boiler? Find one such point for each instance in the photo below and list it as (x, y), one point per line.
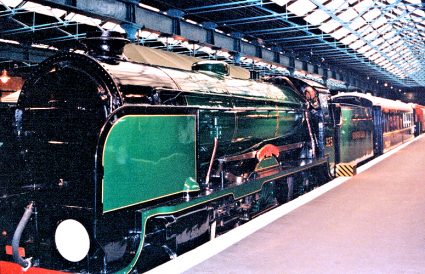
(121, 166)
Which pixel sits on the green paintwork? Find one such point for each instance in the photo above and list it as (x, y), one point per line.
(147, 157)
(239, 130)
(191, 185)
(236, 192)
(356, 138)
(267, 163)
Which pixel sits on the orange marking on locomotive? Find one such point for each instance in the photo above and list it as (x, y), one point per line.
(9, 250)
(267, 151)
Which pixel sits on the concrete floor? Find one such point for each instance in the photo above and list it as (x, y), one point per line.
(374, 223)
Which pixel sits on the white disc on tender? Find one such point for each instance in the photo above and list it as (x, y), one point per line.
(72, 240)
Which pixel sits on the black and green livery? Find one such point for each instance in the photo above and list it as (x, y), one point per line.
(150, 160)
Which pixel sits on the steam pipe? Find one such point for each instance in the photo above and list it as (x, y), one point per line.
(207, 179)
(310, 132)
(25, 263)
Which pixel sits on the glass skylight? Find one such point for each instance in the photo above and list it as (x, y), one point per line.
(389, 35)
(11, 3)
(375, 56)
(392, 53)
(336, 5)
(364, 49)
(385, 28)
(398, 43)
(371, 14)
(371, 36)
(357, 44)
(348, 15)
(340, 33)
(365, 30)
(379, 22)
(394, 39)
(316, 17)
(82, 19)
(364, 5)
(301, 7)
(357, 23)
(329, 26)
(280, 2)
(34, 7)
(377, 42)
(113, 26)
(349, 39)
(381, 59)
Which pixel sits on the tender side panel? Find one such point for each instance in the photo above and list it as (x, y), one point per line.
(356, 135)
(147, 157)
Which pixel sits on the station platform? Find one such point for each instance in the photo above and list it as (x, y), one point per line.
(373, 222)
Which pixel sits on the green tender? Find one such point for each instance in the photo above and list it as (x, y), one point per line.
(356, 134)
(147, 157)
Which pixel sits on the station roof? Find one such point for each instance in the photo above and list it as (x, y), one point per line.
(387, 36)
(383, 40)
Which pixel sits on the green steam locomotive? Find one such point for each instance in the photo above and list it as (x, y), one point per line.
(121, 166)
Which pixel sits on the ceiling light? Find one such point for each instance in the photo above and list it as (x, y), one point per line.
(4, 78)
(9, 41)
(149, 7)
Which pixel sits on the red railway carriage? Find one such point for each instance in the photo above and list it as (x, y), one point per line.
(419, 118)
